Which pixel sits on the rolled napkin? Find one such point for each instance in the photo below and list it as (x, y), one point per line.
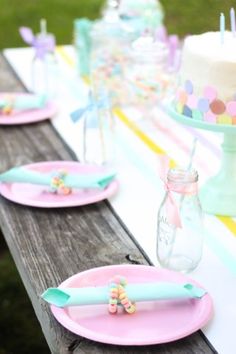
(76, 180)
(135, 292)
(9, 102)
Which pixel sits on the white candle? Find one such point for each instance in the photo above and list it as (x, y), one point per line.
(222, 27)
(232, 21)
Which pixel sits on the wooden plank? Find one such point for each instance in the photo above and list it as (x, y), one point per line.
(49, 245)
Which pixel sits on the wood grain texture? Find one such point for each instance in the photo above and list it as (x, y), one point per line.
(49, 245)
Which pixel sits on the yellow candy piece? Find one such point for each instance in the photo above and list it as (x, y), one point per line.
(131, 309)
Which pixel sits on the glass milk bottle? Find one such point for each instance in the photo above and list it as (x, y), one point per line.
(98, 132)
(180, 222)
(44, 65)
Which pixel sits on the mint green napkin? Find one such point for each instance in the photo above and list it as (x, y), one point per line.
(23, 102)
(135, 293)
(24, 175)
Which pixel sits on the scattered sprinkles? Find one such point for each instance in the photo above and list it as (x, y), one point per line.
(208, 108)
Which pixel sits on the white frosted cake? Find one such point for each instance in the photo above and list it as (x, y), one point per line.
(208, 78)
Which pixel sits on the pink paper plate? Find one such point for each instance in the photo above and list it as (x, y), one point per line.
(154, 321)
(39, 196)
(27, 116)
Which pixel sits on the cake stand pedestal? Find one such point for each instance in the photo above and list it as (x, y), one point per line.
(218, 195)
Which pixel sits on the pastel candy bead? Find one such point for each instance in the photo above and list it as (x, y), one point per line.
(112, 308)
(233, 120)
(224, 119)
(231, 108)
(113, 289)
(113, 285)
(125, 302)
(210, 93)
(66, 190)
(116, 279)
(217, 107)
(122, 296)
(131, 309)
(113, 301)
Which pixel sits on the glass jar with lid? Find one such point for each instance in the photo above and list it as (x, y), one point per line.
(180, 222)
(147, 79)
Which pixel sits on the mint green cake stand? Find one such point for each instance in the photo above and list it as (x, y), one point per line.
(218, 195)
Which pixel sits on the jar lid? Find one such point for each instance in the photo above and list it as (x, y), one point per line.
(145, 47)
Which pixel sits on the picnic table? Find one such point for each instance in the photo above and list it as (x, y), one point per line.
(50, 245)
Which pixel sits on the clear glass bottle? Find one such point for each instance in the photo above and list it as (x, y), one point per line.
(98, 133)
(44, 70)
(180, 248)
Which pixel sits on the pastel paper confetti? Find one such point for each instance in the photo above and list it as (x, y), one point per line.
(217, 106)
(203, 105)
(231, 108)
(188, 87)
(210, 93)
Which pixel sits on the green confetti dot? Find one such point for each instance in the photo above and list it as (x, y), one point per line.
(197, 115)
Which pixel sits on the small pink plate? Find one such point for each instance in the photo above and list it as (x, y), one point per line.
(39, 196)
(27, 116)
(154, 322)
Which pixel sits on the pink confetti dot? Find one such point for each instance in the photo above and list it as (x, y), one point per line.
(231, 108)
(210, 93)
(192, 101)
(210, 117)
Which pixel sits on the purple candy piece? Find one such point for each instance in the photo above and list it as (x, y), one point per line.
(188, 87)
(187, 112)
(203, 105)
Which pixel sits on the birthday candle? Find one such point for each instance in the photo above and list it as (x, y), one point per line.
(232, 21)
(222, 27)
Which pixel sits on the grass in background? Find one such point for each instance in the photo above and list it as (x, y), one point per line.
(182, 16)
(20, 332)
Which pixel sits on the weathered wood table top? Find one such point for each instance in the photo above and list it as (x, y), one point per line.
(50, 245)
